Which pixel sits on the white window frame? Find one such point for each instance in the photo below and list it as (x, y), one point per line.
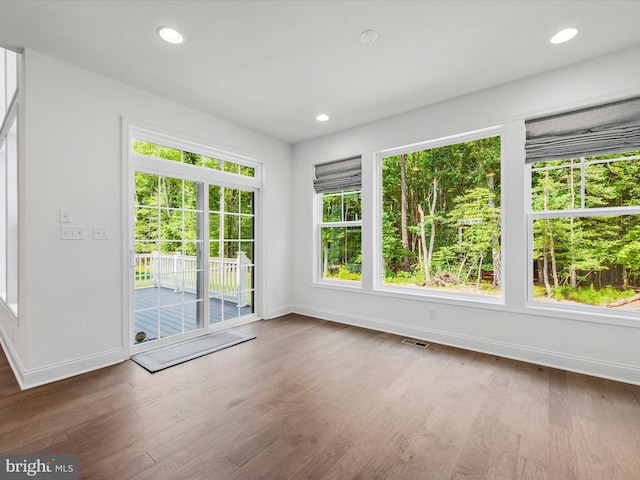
(378, 284)
(581, 212)
(320, 224)
(12, 72)
(135, 162)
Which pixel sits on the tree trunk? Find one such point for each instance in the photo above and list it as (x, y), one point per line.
(572, 267)
(479, 277)
(495, 240)
(433, 198)
(427, 262)
(406, 264)
(325, 263)
(552, 251)
(548, 243)
(464, 260)
(545, 274)
(540, 269)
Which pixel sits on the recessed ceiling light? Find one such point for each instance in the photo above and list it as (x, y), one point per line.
(564, 35)
(368, 36)
(170, 35)
(323, 117)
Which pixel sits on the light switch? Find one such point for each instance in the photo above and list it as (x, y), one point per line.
(100, 233)
(69, 232)
(65, 215)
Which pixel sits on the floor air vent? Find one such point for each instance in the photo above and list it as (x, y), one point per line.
(415, 343)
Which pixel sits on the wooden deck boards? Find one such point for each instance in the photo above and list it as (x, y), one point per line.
(314, 399)
(177, 312)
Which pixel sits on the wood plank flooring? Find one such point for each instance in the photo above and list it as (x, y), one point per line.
(310, 399)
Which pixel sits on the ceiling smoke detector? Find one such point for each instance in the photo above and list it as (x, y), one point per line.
(368, 36)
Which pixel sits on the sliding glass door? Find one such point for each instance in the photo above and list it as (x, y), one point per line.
(192, 241)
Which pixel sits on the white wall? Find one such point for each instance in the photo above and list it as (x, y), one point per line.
(597, 344)
(71, 291)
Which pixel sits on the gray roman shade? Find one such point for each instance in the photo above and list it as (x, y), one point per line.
(341, 175)
(611, 128)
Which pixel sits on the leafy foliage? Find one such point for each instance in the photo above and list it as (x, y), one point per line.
(457, 188)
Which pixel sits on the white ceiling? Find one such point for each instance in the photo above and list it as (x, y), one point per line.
(273, 65)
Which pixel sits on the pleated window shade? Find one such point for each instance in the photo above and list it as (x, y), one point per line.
(337, 176)
(611, 128)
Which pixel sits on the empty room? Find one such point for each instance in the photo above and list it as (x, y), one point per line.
(320, 239)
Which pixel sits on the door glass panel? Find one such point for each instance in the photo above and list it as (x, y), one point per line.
(231, 279)
(169, 272)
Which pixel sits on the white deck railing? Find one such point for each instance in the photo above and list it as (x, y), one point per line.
(230, 277)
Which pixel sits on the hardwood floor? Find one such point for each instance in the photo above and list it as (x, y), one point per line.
(310, 399)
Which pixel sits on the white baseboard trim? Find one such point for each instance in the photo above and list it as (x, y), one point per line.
(279, 311)
(59, 371)
(572, 363)
(12, 357)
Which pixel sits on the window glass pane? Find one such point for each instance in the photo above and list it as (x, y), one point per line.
(146, 223)
(556, 186)
(247, 248)
(231, 167)
(231, 197)
(214, 198)
(246, 202)
(146, 189)
(171, 192)
(332, 207)
(587, 260)
(212, 163)
(352, 210)
(231, 227)
(231, 249)
(214, 226)
(190, 198)
(191, 225)
(614, 183)
(441, 218)
(341, 253)
(192, 158)
(246, 227)
(144, 148)
(169, 153)
(247, 171)
(170, 224)
(214, 249)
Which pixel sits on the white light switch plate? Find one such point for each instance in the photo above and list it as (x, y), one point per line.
(100, 233)
(70, 232)
(65, 215)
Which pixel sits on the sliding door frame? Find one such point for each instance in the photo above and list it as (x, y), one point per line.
(133, 162)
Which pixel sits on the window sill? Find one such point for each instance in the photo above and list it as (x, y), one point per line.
(338, 285)
(575, 313)
(12, 307)
(580, 313)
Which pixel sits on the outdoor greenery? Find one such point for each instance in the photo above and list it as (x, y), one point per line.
(173, 154)
(441, 225)
(169, 216)
(441, 217)
(588, 259)
(341, 244)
